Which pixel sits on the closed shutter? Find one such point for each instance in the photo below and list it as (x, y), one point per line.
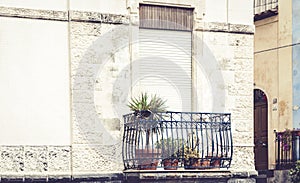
(164, 66)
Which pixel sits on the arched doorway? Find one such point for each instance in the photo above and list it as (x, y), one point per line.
(260, 130)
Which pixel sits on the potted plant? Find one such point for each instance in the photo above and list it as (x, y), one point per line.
(285, 138)
(143, 105)
(146, 108)
(215, 161)
(169, 148)
(190, 157)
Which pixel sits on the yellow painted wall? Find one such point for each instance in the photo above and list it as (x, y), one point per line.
(273, 69)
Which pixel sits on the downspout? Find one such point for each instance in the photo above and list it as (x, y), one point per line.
(70, 88)
(227, 6)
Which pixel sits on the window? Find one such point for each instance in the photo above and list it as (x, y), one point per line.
(166, 17)
(265, 8)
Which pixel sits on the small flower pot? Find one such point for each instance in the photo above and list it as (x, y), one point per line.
(148, 165)
(145, 160)
(192, 163)
(170, 164)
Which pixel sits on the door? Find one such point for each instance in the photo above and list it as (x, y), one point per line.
(260, 130)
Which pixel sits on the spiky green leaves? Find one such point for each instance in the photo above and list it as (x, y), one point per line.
(144, 102)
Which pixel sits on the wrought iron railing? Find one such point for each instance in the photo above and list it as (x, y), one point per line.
(287, 148)
(174, 140)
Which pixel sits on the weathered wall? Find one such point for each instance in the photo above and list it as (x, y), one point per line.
(99, 60)
(273, 70)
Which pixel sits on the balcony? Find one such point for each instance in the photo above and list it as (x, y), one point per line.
(287, 149)
(177, 141)
(264, 9)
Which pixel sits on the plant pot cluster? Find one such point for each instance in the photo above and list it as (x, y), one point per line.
(146, 107)
(196, 163)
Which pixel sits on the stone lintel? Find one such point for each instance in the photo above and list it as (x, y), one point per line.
(80, 16)
(33, 13)
(224, 27)
(84, 16)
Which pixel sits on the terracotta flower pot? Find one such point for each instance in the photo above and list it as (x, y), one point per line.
(215, 161)
(147, 159)
(192, 163)
(170, 164)
(148, 165)
(205, 163)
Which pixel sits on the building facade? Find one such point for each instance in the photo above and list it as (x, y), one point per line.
(276, 52)
(68, 69)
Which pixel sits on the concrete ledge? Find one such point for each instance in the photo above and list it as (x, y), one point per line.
(213, 176)
(189, 176)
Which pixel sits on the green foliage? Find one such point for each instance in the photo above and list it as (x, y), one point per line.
(169, 146)
(157, 104)
(189, 153)
(294, 173)
(144, 102)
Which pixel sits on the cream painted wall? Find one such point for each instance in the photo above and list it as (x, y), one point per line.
(36, 4)
(266, 34)
(34, 77)
(285, 22)
(273, 70)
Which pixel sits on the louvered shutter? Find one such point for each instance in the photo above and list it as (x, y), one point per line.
(164, 66)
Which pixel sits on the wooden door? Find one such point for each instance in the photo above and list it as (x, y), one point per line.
(260, 130)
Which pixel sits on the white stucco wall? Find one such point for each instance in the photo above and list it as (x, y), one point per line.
(102, 6)
(34, 77)
(229, 11)
(36, 4)
(240, 12)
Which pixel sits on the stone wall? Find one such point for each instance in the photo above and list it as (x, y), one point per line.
(227, 77)
(39, 162)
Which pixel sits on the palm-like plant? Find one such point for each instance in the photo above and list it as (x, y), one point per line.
(143, 106)
(144, 102)
(157, 104)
